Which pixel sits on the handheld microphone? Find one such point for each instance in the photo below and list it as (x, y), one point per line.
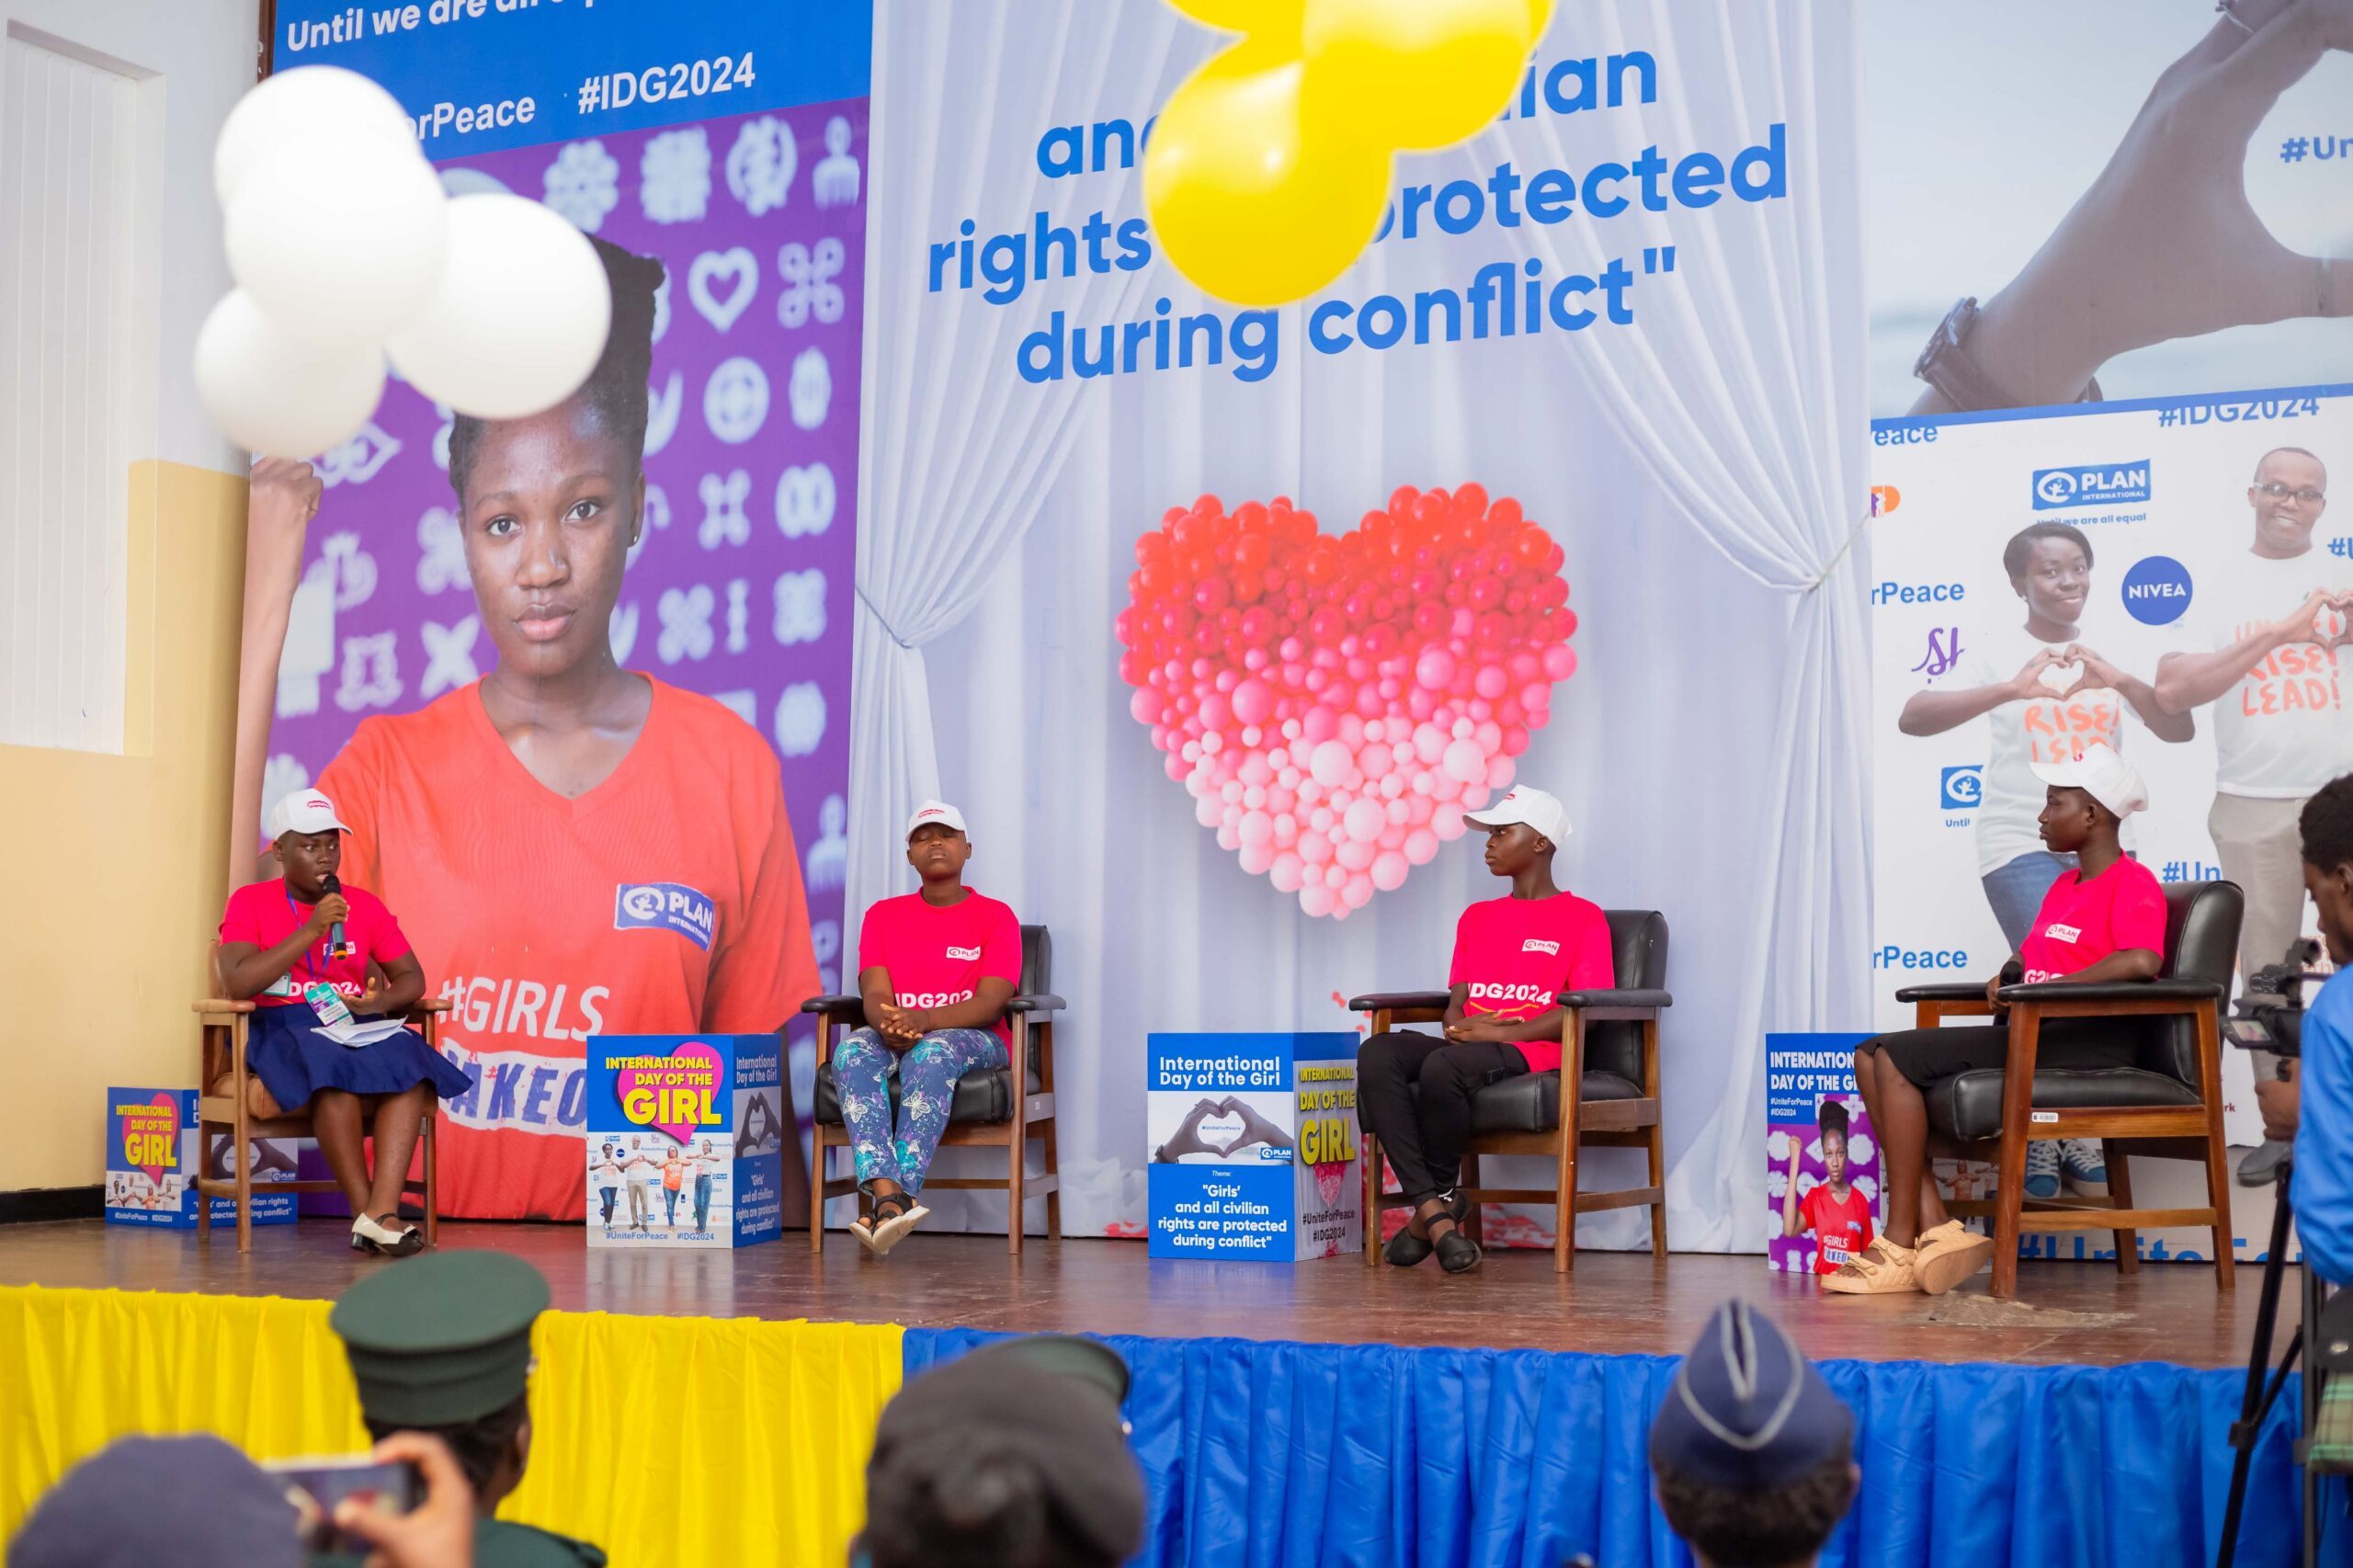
(330, 883)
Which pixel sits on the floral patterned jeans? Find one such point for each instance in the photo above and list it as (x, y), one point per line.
(928, 1072)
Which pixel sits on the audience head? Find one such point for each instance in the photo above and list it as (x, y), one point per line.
(193, 1502)
(1752, 1452)
(2327, 826)
(1013, 1456)
(442, 1345)
(938, 843)
(1523, 829)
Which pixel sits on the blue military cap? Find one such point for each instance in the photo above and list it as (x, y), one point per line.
(193, 1501)
(1747, 1410)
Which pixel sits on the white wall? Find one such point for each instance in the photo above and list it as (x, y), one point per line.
(202, 55)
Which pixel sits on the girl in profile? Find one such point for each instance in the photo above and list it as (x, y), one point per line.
(578, 848)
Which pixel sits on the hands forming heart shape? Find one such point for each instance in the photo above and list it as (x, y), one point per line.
(2332, 618)
(2059, 675)
(1254, 1128)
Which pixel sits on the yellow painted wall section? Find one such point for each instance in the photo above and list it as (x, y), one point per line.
(113, 872)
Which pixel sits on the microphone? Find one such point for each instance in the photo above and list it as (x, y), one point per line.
(331, 884)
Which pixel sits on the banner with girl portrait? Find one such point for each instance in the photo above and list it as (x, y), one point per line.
(580, 682)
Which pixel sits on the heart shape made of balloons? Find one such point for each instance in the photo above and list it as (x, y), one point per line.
(1335, 703)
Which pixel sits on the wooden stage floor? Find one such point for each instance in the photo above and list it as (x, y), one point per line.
(1614, 1303)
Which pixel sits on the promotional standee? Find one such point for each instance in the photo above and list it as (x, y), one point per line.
(152, 1163)
(686, 1138)
(1822, 1164)
(1254, 1145)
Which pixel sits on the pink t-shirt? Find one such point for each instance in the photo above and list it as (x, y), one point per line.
(938, 957)
(1518, 954)
(265, 913)
(2081, 922)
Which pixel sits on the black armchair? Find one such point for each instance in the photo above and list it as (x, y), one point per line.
(988, 1110)
(1608, 1050)
(2168, 1105)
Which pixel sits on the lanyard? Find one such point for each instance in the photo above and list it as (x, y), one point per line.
(318, 971)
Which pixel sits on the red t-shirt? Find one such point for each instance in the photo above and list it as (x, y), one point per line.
(2082, 922)
(667, 900)
(1840, 1229)
(938, 956)
(265, 915)
(1518, 954)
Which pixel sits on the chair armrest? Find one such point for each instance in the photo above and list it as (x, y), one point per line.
(1629, 998)
(432, 1004)
(1401, 1001)
(2183, 990)
(219, 1007)
(1948, 992)
(837, 1006)
(1043, 1002)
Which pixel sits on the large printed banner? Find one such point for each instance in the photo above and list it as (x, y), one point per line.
(593, 743)
(2073, 574)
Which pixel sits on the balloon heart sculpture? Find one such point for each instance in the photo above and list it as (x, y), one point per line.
(1268, 167)
(1334, 705)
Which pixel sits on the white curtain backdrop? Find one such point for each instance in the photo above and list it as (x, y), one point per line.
(1704, 469)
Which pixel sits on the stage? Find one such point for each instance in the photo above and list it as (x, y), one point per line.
(1614, 1303)
(1319, 1413)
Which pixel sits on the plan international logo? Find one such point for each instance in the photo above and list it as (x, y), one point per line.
(2097, 484)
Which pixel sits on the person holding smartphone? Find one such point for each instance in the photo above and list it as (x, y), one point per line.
(1513, 957)
(277, 952)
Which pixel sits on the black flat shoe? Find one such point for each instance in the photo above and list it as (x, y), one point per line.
(1406, 1249)
(1456, 1253)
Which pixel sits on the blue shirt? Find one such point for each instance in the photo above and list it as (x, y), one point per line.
(2323, 1179)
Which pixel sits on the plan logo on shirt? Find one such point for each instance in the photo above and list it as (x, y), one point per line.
(2063, 932)
(1539, 945)
(972, 955)
(2090, 484)
(664, 906)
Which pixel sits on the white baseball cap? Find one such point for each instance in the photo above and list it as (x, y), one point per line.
(2101, 774)
(932, 811)
(304, 810)
(1537, 810)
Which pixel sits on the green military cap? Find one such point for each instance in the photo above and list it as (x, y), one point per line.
(441, 1338)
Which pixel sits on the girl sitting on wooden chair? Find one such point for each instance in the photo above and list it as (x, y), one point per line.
(307, 1046)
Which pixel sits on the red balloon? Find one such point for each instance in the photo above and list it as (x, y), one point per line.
(1471, 500)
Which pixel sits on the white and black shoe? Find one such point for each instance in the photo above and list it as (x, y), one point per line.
(369, 1234)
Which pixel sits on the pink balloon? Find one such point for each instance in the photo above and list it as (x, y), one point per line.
(1365, 819)
(1331, 763)
(1255, 828)
(1145, 705)
(1499, 772)
(1335, 876)
(1429, 742)
(1215, 712)
(1357, 892)
(1376, 760)
(1491, 682)
(1207, 811)
(1254, 701)
(1320, 724)
(1315, 898)
(1355, 854)
(1421, 847)
(1447, 821)
(1560, 661)
(1464, 760)
(1389, 869)
(1257, 858)
(1228, 839)
(1314, 848)
(1435, 669)
(1286, 873)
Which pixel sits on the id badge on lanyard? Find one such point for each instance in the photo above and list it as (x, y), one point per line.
(327, 1003)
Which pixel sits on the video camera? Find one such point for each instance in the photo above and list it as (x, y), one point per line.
(2270, 1016)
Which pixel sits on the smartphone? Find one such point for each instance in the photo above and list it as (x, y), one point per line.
(318, 1486)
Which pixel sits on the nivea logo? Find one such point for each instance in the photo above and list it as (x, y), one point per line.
(2090, 484)
(2156, 590)
(664, 906)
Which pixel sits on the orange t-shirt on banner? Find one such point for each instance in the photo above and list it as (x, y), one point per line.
(667, 900)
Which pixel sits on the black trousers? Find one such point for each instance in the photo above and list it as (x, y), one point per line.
(1413, 1094)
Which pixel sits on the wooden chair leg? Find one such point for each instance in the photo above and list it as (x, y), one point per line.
(2120, 1192)
(1018, 1169)
(2218, 1153)
(817, 1163)
(1656, 1143)
(432, 1142)
(244, 1155)
(1475, 1226)
(1565, 1197)
(1053, 1195)
(1369, 1152)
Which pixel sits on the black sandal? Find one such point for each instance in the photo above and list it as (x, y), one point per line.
(1406, 1249)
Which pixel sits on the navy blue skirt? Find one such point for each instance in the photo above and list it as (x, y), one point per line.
(287, 1052)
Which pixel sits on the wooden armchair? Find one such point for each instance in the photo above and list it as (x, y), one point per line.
(1609, 1052)
(222, 1024)
(2169, 1106)
(988, 1110)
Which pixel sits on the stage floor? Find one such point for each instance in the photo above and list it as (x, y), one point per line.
(2084, 1314)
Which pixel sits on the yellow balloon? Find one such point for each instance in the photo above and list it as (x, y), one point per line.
(1415, 73)
(1540, 19)
(1264, 19)
(1249, 202)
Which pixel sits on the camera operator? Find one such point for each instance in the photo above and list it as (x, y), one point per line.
(2322, 1122)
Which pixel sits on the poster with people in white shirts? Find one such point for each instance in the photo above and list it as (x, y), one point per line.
(2164, 575)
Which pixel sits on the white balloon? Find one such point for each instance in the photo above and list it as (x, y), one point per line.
(339, 237)
(274, 392)
(293, 105)
(519, 315)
